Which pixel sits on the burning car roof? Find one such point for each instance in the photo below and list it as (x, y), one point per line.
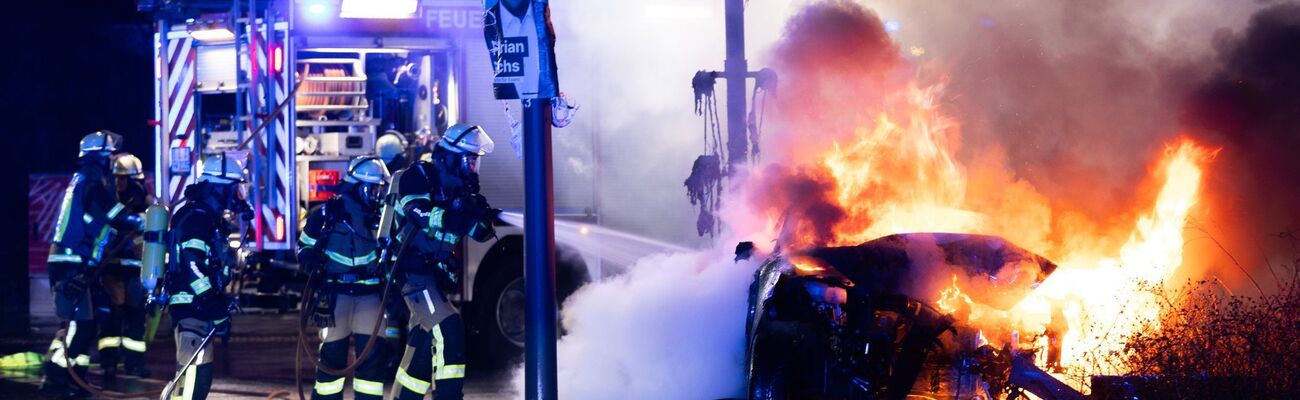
(996, 272)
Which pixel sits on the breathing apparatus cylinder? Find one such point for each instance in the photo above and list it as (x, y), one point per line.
(386, 214)
(154, 256)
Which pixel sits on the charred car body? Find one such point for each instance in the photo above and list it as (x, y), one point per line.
(859, 321)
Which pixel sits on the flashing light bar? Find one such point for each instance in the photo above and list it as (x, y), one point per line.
(317, 8)
(378, 9)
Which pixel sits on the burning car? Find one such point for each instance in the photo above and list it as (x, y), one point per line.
(860, 321)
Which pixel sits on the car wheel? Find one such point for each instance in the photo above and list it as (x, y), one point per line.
(769, 376)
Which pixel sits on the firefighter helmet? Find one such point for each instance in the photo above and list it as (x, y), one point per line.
(101, 142)
(128, 165)
(367, 169)
(220, 168)
(467, 139)
(390, 145)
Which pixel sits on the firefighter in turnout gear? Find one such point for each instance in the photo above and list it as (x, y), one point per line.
(200, 268)
(123, 330)
(338, 245)
(87, 215)
(437, 203)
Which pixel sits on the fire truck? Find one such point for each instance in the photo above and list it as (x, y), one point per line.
(299, 87)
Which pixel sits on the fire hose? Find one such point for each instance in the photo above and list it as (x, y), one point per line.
(305, 310)
(166, 390)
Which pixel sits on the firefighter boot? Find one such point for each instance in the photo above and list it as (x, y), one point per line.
(194, 384)
(416, 369)
(449, 359)
(334, 355)
(133, 345)
(368, 382)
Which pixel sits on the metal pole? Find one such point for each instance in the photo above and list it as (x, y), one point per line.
(735, 69)
(539, 253)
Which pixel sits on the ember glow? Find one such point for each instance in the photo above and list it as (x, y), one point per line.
(952, 299)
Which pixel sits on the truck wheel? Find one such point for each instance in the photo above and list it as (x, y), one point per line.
(499, 307)
(509, 312)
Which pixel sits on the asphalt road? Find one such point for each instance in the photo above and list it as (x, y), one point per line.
(256, 361)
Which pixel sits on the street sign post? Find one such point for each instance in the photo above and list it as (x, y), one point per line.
(522, 45)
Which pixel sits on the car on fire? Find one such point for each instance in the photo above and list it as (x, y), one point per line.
(860, 321)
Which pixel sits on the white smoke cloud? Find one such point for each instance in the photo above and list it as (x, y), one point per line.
(672, 327)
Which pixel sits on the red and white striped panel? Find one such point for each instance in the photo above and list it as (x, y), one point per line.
(176, 128)
(275, 216)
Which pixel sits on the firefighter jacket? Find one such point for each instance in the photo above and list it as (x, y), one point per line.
(127, 245)
(338, 240)
(87, 215)
(198, 270)
(433, 213)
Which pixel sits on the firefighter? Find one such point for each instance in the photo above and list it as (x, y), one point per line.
(339, 244)
(123, 330)
(436, 204)
(391, 147)
(88, 211)
(200, 269)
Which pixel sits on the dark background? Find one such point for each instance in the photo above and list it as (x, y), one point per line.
(72, 67)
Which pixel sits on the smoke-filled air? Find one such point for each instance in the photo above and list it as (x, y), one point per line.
(1125, 140)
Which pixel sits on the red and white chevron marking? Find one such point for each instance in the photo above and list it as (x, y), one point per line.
(178, 126)
(273, 145)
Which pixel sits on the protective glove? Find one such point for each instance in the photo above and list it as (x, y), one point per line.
(475, 205)
(311, 260)
(480, 201)
(222, 329)
(324, 315)
(75, 286)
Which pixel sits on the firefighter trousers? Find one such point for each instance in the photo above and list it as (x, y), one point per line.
(354, 317)
(195, 381)
(436, 345)
(71, 346)
(123, 330)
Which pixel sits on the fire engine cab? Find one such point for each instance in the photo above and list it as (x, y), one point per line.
(299, 87)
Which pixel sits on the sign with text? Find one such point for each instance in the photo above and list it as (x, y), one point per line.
(521, 42)
(392, 17)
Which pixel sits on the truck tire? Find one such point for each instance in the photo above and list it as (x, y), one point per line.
(499, 299)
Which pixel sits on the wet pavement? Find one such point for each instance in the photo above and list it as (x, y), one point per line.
(258, 360)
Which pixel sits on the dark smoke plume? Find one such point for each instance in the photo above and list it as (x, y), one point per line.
(1251, 105)
(802, 197)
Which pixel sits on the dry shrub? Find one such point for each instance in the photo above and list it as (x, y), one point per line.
(1205, 332)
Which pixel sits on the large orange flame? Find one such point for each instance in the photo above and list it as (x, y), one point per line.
(1108, 299)
(899, 172)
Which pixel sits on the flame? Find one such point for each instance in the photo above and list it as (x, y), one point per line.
(951, 299)
(899, 172)
(1112, 299)
(981, 340)
(807, 265)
